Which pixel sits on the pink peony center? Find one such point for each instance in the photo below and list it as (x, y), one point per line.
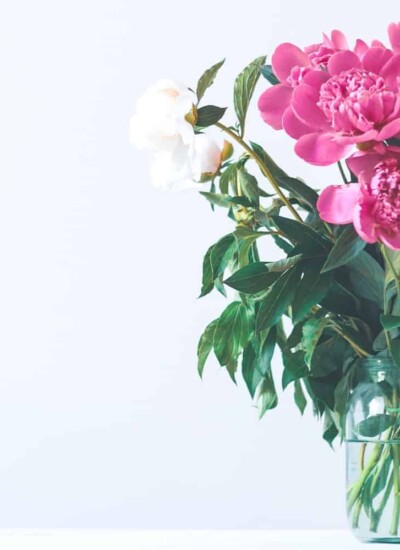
(356, 101)
(297, 74)
(319, 58)
(383, 192)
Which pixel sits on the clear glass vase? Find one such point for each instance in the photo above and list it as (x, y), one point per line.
(373, 452)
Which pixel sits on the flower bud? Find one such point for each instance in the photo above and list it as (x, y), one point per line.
(227, 151)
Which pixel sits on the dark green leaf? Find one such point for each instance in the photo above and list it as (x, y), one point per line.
(228, 176)
(284, 264)
(267, 72)
(205, 346)
(267, 351)
(252, 278)
(394, 257)
(250, 369)
(209, 115)
(249, 187)
(390, 321)
(245, 238)
(299, 396)
(275, 170)
(374, 425)
(224, 201)
(395, 349)
(207, 79)
(232, 333)
(347, 247)
(328, 356)
(312, 332)
(278, 299)
(216, 260)
(311, 290)
(302, 234)
(340, 300)
(366, 277)
(300, 190)
(330, 430)
(244, 87)
(294, 366)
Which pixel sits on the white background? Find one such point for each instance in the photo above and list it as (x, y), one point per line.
(103, 420)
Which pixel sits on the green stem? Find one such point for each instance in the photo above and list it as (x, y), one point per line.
(396, 479)
(392, 268)
(376, 517)
(264, 169)
(358, 486)
(356, 513)
(342, 172)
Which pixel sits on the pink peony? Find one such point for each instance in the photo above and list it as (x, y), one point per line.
(373, 204)
(293, 66)
(352, 97)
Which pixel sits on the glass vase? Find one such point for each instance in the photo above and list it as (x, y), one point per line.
(373, 452)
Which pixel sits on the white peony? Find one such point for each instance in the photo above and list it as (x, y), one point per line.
(184, 167)
(165, 114)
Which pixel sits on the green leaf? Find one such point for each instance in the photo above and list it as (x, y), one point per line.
(390, 321)
(367, 278)
(244, 88)
(284, 264)
(232, 333)
(266, 395)
(209, 115)
(303, 234)
(295, 368)
(275, 170)
(340, 300)
(394, 256)
(347, 247)
(312, 332)
(228, 176)
(374, 425)
(252, 278)
(207, 79)
(267, 351)
(344, 388)
(249, 187)
(330, 430)
(250, 370)
(299, 396)
(268, 73)
(245, 238)
(224, 201)
(278, 299)
(395, 349)
(328, 356)
(216, 260)
(300, 190)
(312, 288)
(205, 346)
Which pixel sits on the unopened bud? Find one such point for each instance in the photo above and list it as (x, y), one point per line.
(227, 151)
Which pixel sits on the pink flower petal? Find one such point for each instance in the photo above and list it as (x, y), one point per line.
(389, 130)
(273, 103)
(392, 241)
(364, 224)
(377, 44)
(360, 48)
(394, 35)
(293, 126)
(363, 162)
(343, 61)
(375, 58)
(339, 41)
(285, 57)
(304, 103)
(391, 71)
(336, 203)
(315, 78)
(321, 149)
(361, 138)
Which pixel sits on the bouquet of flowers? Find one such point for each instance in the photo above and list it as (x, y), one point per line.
(334, 296)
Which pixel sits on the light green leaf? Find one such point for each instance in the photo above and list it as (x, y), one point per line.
(205, 346)
(347, 247)
(266, 395)
(207, 79)
(244, 88)
(249, 187)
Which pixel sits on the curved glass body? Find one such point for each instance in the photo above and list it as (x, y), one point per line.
(373, 452)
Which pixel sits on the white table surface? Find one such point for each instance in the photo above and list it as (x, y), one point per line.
(179, 540)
